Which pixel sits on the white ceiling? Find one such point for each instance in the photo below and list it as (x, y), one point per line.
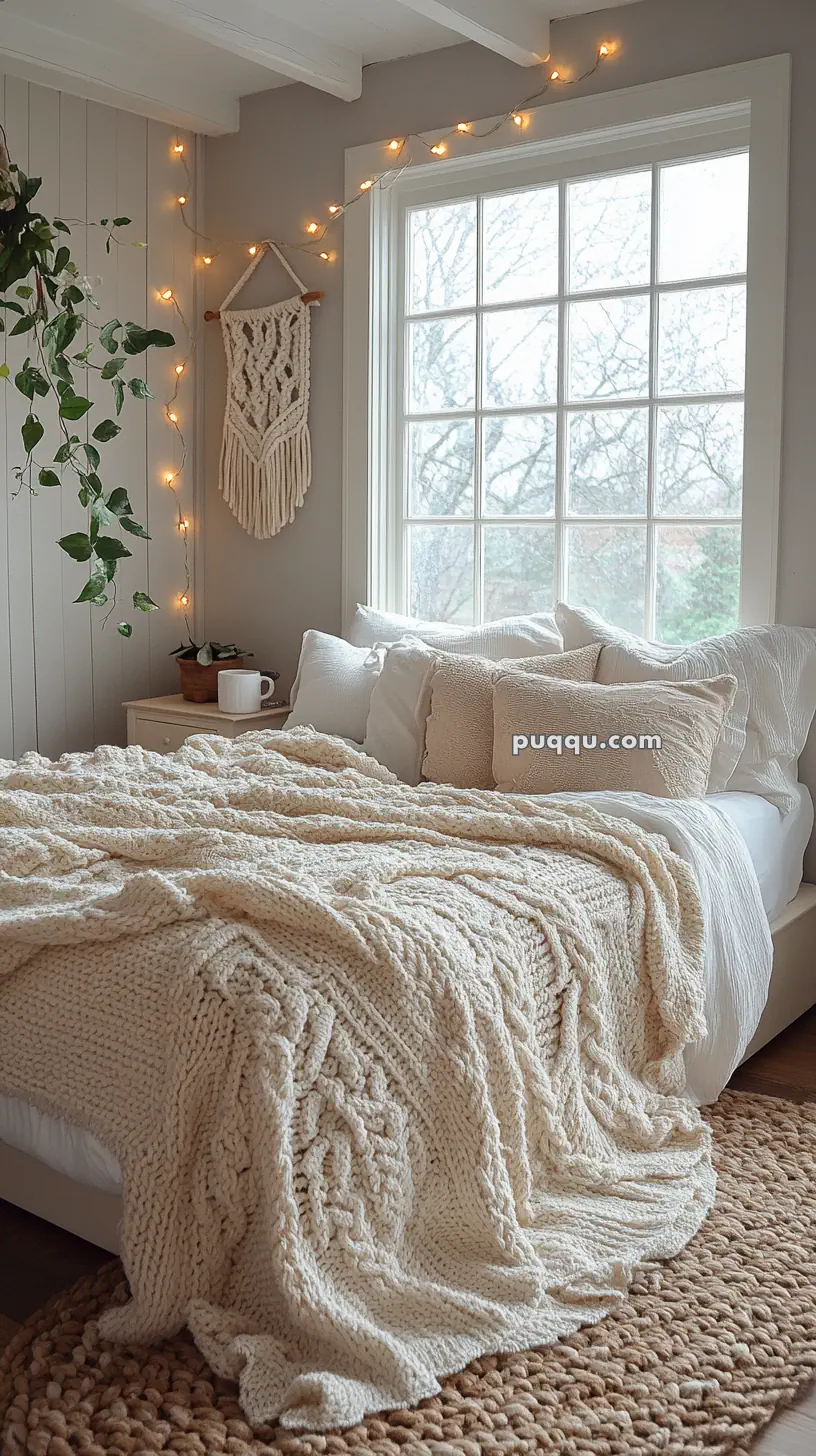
(189, 61)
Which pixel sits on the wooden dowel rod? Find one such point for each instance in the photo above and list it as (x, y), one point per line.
(314, 297)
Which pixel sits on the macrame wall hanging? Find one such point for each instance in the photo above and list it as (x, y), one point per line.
(266, 457)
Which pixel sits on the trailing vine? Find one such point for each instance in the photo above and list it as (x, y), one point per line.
(41, 284)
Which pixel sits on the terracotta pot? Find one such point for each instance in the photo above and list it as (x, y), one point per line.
(200, 684)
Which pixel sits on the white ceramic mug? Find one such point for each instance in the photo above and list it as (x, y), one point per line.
(240, 690)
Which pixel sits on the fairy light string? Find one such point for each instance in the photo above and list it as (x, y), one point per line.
(398, 150)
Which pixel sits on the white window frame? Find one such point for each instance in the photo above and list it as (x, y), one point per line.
(689, 116)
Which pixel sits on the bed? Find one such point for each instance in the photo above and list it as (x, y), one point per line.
(336, 935)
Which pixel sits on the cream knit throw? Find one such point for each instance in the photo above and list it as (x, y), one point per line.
(392, 1073)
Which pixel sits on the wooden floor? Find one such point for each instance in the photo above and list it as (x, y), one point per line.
(37, 1259)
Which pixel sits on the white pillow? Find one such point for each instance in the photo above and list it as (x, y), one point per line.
(332, 689)
(767, 725)
(401, 699)
(507, 637)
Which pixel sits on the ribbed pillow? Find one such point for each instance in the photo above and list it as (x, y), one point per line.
(459, 730)
(687, 717)
(506, 637)
(332, 689)
(767, 725)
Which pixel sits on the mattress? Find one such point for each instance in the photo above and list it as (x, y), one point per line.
(776, 842)
(776, 845)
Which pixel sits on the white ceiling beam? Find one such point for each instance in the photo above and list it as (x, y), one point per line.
(253, 32)
(506, 26)
(50, 57)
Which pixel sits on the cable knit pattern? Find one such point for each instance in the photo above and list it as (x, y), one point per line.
(392, 1074)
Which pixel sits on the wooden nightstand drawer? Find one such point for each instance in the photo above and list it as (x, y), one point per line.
(163, 724)
(160, 735)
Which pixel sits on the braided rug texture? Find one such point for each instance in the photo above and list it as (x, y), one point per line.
(706, 1349)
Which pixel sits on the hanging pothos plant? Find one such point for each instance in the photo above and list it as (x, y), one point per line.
(40, 283)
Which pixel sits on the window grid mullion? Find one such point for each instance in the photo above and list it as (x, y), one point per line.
(478, 504)
(650, 592)
(560, 573)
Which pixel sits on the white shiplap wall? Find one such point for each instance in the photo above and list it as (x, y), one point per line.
(63, 677)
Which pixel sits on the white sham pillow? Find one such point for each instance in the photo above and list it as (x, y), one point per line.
(506, 637)
(401, 698)
(332, 689)
(766, 726)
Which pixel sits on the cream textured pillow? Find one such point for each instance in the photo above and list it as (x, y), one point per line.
(766, 727)
(537, 723)
(459, 730)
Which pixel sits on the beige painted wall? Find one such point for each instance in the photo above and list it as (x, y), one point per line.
(287, 163)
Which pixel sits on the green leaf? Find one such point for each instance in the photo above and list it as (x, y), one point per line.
(24, 291)
(139, 389)
(106, 336)
(106, 430)
(121, 221)
(60, 332)
(93, 456)
(62, 257)
(25, 324)
(205, 655)
(61, 370)
(77, 545)
(61, 227)
(118, 394)
(11, 305)
(110, 548)
(100, 515)
(118, 502)
(113, 367)
(4, 371)
(143, 603)
(92, 484)
(74, 406)
(32, 432)
(63, 454)
(128, 524)
(104, 221)
(72, 294)
(31, 381)
(94, 589)
(49, 478)
(124, 629)
(138, 339)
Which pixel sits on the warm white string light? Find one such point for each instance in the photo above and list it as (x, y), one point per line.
(397, 147)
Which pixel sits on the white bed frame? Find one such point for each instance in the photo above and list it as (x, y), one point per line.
(95, 1216)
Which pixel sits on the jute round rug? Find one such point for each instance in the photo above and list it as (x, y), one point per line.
(705, 1351)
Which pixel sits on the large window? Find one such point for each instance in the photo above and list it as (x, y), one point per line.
(573, 399)
(558, 403)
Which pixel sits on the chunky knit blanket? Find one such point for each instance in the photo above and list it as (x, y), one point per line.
(393, 1074)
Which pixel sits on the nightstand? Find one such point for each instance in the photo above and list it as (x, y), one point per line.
(163, 724)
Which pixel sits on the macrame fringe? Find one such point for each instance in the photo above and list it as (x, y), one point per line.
(264, 494)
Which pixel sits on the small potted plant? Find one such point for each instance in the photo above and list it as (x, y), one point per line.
(199, 667)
